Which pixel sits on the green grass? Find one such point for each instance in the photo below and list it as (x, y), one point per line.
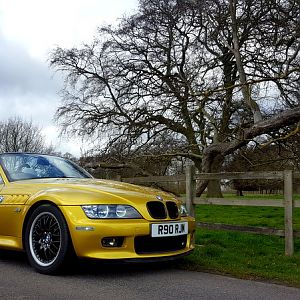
(245, 215)
(243, 255)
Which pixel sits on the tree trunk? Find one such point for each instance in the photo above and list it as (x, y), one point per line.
(214, 186)
(211, 163)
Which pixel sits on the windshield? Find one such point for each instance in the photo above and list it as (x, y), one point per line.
(20, 166)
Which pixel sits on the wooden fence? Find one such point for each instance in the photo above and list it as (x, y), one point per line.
(287, 202)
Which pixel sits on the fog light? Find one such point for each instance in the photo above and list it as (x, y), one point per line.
(114, 241)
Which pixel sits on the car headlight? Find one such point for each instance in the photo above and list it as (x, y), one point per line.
(111, 212)
(183, 211)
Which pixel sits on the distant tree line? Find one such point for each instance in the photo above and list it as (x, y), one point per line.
(277, 156)
(18, 135)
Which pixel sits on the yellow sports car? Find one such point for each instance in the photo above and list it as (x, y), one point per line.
(51, 208)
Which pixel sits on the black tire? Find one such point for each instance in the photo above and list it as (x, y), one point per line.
(47, 241)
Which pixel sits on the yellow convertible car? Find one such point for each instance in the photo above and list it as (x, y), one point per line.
(51, 208)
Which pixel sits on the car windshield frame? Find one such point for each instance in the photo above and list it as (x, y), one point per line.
(28, 166)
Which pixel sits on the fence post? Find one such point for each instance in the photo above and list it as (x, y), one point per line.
(288, 212)
(190, 189)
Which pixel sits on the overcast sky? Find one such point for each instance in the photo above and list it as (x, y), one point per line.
(29, 29)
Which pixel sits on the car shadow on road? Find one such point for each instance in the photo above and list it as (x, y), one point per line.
(13, 256)
(89, 267)
(109, 268)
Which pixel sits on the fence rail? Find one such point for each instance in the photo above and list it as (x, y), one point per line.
(242, 202)
(287, 202)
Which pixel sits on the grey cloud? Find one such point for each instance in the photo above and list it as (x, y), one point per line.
(27, 85)
(22, 74)
(29, 89)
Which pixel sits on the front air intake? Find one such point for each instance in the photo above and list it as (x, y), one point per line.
(172, 209)
(157, 210)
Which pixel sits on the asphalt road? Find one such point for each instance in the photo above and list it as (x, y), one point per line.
(93, 280)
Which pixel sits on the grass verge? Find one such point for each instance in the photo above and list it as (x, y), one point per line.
(247, 256)
(243, 255)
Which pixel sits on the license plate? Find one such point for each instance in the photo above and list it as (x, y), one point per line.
(169, 229)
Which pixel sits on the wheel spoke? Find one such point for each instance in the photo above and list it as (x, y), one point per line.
(45, 254)
(46, 238)
(52, 252)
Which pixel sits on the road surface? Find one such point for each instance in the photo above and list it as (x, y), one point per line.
(93, 280)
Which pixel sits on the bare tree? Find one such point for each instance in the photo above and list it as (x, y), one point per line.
(265, 157)
(213, 75)
(17, 135)
(153, 162)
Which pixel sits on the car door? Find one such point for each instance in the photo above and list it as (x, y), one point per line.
(11, 206)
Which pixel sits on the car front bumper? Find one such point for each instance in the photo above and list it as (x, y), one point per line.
(87, 235)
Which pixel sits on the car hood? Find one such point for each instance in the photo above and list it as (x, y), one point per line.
(71, 191)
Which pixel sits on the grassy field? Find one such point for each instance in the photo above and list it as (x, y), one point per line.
(244, 215)
(245, 255)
